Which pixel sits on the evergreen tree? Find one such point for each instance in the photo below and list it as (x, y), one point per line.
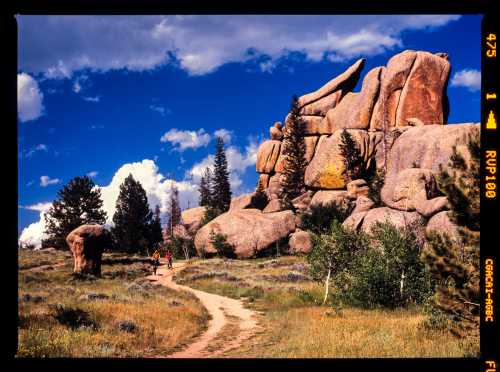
(221, 189)
(174, 210)
(77, 203)
(294, 150)
(155, 230)
(132, 218)
(205, 188)
(353, 160)
(456, 264)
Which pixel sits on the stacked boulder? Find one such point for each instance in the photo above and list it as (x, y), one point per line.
(397, 120)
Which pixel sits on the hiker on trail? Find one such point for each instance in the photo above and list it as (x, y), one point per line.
(168, 256)
(156, 260)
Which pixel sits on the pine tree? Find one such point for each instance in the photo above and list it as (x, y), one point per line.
(221, 189)
(77, 203)
(132, 218)
(353, 160)
(294, 150)
(205, 188)
(456, 264)
(174, 210)
(155, 230)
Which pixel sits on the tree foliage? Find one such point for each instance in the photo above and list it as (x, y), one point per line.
(319, 218)
(133, 219)
(221, 245)
(77, 203)
(455, 264)
(353, 160)
(205, 188)
(174, 214)
(294, 150)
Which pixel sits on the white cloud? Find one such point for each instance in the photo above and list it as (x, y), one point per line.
(40, 147)
(186, 139)
(225, 134)
(92, 174)
(156, 185)
(468, 78)
(159, 109)
(238, 163)
(29, 98)
(39, 207)
(46, 181)
(92, 99)
(200, 44)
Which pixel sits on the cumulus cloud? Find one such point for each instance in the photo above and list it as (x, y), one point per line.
(186, 139)
(156, 185)
(29, 98)
(46, 181)
(34, 233)
(238, 162)
(225, 134)
(202, 43)
(467, 78)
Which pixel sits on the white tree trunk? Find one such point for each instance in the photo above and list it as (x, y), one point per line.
(327, 284)
(401, 283)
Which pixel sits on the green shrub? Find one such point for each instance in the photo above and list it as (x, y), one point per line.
(181, 248)
(223, 248)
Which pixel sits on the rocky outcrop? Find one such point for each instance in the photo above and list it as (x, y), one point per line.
(275, 131)
(398, 218)
(267, 155)
(357, 188)
(326, 197)
(442, 224)
(249, 231)
(325, 171)
(86, 243)
(191, 219)
(345, 82)
(241, 202)
(300, 242)
(355, 109)
(275, 205)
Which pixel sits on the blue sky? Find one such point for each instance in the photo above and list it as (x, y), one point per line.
(110, 95)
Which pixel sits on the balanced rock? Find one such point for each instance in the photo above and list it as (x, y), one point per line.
(300, 242)
(87, 242)
(267, 155)
(191, 218)
(355, 109)
(275, 133)
(344, 82)
(323, 105)
(248, 230)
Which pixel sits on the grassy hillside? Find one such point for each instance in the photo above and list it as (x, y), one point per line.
(296, 325)
(119, 315)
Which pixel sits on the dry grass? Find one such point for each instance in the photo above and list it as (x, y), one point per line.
(297, 326)
(164, 319)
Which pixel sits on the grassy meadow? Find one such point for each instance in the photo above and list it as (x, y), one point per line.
(118, 315)
(296, 325)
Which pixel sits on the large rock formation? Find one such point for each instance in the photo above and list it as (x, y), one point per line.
(192, 218)
(249, 231)
(397, 122)
(87, 242)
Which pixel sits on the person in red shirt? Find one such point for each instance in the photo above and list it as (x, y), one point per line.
(168, 256)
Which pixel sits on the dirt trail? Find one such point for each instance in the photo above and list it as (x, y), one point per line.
(225, 312)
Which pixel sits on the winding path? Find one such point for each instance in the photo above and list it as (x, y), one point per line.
(228, 316)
